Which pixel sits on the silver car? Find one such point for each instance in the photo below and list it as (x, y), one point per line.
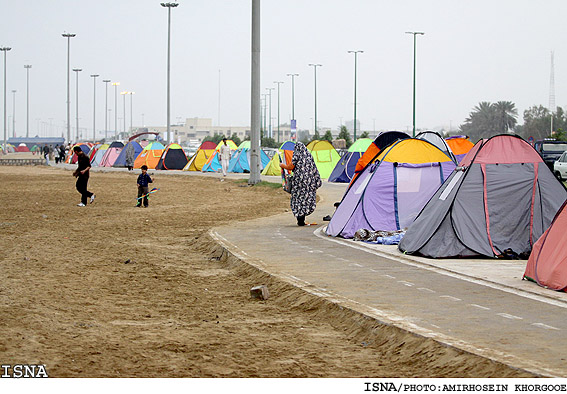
(560, 167)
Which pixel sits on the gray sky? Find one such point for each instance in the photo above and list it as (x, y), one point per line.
(472, 51)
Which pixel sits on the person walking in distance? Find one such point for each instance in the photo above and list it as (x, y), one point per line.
(46, 154)
(224, 156)
(82, 175)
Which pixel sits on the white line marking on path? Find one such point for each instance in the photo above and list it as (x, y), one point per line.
(389, 276)
(545, 326)
(413, 262)
(355, 265)
(508, 316)
(450, 298)
(426, 289)
(480, 307)
(409, 284)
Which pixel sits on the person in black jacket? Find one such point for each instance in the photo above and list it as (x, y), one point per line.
(143, 189)
(82, 175)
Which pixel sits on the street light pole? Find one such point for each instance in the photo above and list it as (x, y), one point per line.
(68, 36)
(169, 6)
(271, 134)
(27, 67)
(106, 81)
(77, 70)
(94, 76)
(116, 84)
(265, 95)
(293, 94)
(278, 83)
(5, 50)
(124, 111)
(355, 66)
(415, 33)
(14, 114)
(315, 72)
(255, 120)
(131, 99)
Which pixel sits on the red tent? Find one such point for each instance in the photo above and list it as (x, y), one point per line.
(547, 265)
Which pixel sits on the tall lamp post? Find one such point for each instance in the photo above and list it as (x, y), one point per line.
(5, 50)
(131, 99)
(264, 97)
(415, 33)
(255, 117)
(124, 111)
(355, 64)
(116, 84)
(270, 112)
(315, 71)
(94, 76)
(68, 36)
(27, 67)
(77, 71)
(169, 6)
(14, 113)
(293, 122)
(106, 81)
(278, 83)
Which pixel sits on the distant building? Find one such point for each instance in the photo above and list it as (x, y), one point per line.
(199, 128)
(350, 126)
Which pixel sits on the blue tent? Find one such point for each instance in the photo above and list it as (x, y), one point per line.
(121, 159)
(213, 164)
(346, 166)
(240, 161)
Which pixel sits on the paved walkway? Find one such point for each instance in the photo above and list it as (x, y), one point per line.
(481, 306)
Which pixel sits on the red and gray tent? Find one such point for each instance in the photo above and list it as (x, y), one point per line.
(502, 196)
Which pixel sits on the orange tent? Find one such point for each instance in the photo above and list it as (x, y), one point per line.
(459, 145)
(150, 155)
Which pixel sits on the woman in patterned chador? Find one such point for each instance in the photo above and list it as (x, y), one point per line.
(306, 181)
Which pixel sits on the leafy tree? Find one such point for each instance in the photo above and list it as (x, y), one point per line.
(364, 135)
(344, 134)
(269, 143)
(537, 123)
(487, 119)
(316, 136)
(505, 114)
(236, 139)
(328, 136)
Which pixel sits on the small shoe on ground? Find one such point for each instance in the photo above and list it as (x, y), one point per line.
(145, 206)
(92, 198)
(327, 218)
(138, 205)
(81, 204)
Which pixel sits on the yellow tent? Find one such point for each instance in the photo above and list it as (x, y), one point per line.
(273, 167)
(325, 155)
(203, 154)
(230, 143)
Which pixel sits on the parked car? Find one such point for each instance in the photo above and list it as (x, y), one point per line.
(560, 167)
(550, 150)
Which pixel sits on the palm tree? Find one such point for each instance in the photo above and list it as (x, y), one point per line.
(505, 115)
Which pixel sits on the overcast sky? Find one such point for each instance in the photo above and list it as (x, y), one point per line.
(472, 51)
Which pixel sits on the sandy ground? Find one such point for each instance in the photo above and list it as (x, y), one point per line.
(111, 290)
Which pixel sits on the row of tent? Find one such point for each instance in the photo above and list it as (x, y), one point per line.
(495, 199)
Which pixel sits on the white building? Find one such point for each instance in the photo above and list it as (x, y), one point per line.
(199, 128)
